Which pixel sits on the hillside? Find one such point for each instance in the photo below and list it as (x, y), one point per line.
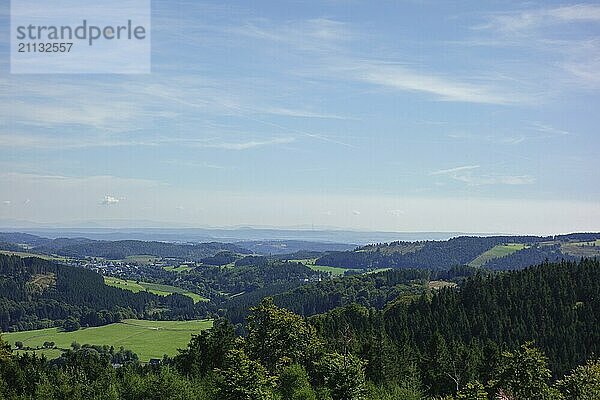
(36, 293)
(555, 305)
(494, 252)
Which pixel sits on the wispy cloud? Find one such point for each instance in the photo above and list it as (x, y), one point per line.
(316, 34)
(548, 130)
(522, 21)
(474, 180)
(245, 145)
(333, 52)
(466, 175)
(569, 61)
(454, 170)
(399, 77)
(290, 112)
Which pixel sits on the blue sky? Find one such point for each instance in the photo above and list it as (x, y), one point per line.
(400, 115)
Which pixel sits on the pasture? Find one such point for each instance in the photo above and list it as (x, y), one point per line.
(498, 251)
(156, 288)
(148, 339)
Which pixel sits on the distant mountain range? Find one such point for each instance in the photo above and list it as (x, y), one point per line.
(149, 232)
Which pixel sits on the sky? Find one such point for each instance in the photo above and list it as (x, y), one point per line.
(462, 116)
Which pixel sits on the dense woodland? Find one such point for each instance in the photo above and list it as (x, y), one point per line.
(369, 290)
(36, 293)
(543, 345)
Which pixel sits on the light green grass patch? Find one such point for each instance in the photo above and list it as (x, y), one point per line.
(310, 263)
(181, 268)
(498, 251)
(331, 270)
(156, 288)
(148, 339)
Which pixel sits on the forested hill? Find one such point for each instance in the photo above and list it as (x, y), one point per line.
(494, 252)
(117, 250)
(36, 293)
(460, 331)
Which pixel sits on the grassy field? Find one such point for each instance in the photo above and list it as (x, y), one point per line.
(156, 288)
(331, 270)
(496, 252)
(181, 268)
(148, 339)
(310, 263)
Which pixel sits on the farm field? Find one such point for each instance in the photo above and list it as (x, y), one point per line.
(496, 252)
(331, 270)
(156, 288)
(148, 339)
(310, 263)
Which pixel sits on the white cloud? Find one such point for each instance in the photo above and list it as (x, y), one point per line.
(110, 200)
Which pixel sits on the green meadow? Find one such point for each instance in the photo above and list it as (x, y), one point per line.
(181, 268)
(156, 288)
(498, 251)
(148, 339)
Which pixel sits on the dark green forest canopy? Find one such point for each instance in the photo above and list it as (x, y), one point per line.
(555, 305)
(36, 293)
